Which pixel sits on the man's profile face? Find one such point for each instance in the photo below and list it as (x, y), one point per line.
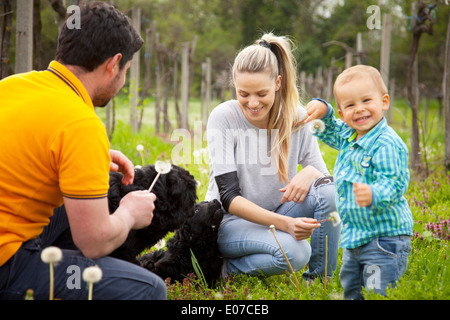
(103, 95)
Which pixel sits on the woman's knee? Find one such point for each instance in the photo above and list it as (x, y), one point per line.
(297, 252)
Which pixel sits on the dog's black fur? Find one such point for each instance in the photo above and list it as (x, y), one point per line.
(199, 234)
(176, 197)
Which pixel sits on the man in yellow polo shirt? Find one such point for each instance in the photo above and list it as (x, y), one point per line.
(53, 151)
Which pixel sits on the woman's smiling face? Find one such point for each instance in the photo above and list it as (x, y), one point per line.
(256, 94)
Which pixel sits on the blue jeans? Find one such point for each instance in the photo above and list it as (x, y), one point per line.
(375, 265)
(121, 280)
(252, 249)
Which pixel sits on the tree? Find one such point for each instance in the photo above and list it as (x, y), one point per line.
(422, 22)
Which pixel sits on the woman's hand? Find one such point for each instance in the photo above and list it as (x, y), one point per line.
(302, 228)
(297, 189)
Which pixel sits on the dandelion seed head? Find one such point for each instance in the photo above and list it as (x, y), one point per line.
(163, 167)
(160, 244)
(317, 126)
(335, 218)
(92, 274)
(51, 255)
(140, 147)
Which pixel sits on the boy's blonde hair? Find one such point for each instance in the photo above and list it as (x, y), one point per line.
(359, 71)
(273, 54)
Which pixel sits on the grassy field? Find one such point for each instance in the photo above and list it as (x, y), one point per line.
(428, 274)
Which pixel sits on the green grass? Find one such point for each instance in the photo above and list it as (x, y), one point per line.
(428, 273)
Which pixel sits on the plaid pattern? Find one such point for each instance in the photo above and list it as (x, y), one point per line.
(380, 159)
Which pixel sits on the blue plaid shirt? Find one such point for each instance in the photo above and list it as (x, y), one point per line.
(379, 159)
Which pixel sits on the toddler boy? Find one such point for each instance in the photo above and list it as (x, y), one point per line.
(371, 177)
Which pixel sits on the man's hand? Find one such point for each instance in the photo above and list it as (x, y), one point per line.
(363, 194)
(119, 162)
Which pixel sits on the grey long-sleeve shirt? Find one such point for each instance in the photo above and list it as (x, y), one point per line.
(235, 144)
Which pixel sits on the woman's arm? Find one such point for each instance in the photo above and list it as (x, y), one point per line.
(299, 228)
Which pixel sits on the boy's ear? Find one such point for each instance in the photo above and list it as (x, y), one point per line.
(341, 114)
(385, 102)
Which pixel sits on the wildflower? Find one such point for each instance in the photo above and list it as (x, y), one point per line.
(140, 147)
(162, 168)
(160, 244)
(317, 126)
(334, 218)
(92, 275)
(51, 255)
(272, 228)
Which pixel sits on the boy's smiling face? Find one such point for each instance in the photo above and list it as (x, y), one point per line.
(361, 104)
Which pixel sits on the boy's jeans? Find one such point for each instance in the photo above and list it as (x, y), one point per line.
(375, 265)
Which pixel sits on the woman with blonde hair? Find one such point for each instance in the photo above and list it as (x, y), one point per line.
(255, 148)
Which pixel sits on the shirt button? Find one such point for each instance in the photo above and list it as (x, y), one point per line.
(351, 148)
(341, 199)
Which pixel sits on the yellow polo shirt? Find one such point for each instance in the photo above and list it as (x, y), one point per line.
(52, 144)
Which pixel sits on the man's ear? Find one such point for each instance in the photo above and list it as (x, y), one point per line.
(112, 64)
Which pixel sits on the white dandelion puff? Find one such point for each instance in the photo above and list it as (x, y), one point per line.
(334, 218)
(317, 126)
(92, 275)
(51, 255)
(162, 167)
(140, 147)
(160, 244)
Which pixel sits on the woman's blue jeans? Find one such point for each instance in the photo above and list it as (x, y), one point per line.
(121, 280)
(252, 249)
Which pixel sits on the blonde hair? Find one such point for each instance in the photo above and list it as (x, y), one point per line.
(359, 71)
(273, 54)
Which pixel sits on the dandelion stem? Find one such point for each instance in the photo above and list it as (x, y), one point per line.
(91, 288)
(51, 294)
(326, 261)
(297, 284)
(154, 181)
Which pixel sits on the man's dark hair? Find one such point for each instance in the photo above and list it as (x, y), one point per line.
(104, 32)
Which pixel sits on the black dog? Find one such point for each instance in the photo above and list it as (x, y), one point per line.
(176, 197)
(199, 234)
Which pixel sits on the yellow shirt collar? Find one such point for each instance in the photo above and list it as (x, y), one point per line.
(70, 80)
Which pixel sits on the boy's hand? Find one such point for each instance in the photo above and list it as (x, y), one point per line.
(363, 194)
(316, 110)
